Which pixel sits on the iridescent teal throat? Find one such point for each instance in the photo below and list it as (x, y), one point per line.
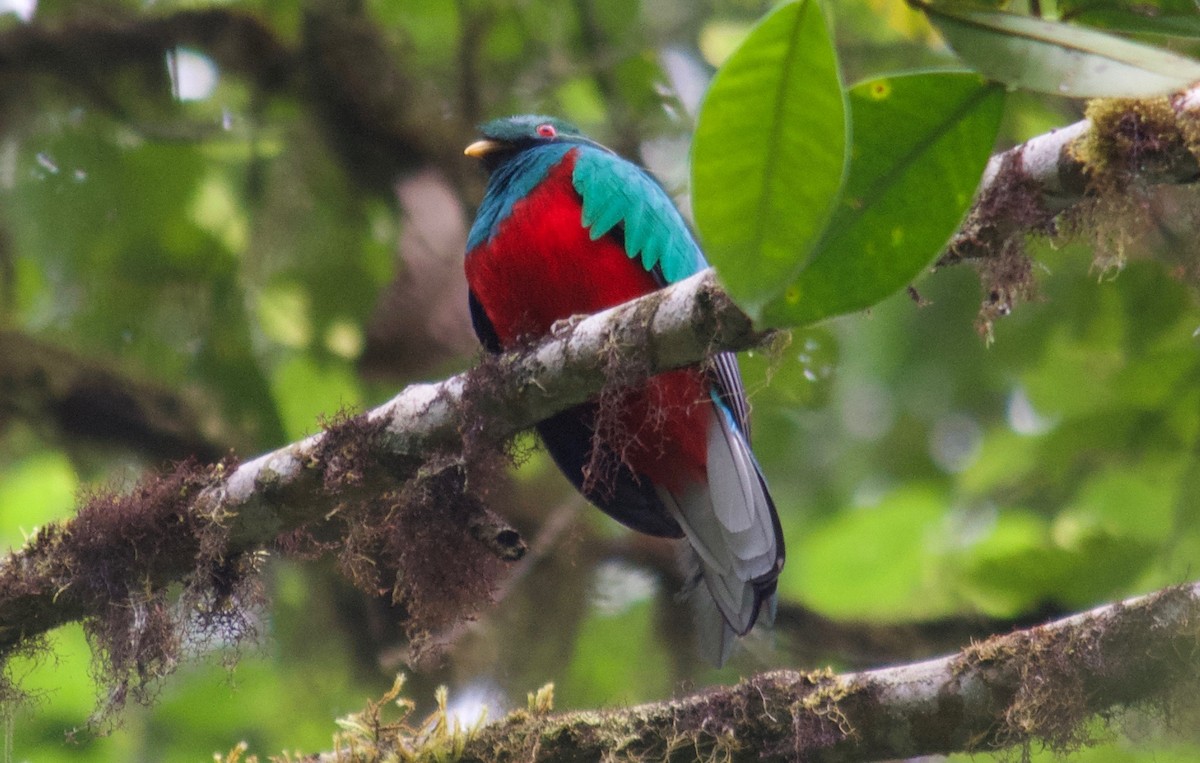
(510, 182)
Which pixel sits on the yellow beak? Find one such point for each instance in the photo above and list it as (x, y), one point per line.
(481, 148)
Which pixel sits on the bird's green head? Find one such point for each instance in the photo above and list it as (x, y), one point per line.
(508, 136)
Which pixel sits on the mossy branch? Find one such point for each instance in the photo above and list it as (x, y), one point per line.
(1086, 177)
(1151, 142)
(120, 551)
(1045, 686)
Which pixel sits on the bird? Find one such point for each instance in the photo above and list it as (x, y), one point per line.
(568, 227)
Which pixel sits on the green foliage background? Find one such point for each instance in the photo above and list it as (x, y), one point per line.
(238, 250)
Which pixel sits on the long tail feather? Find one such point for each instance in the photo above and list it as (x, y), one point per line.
(715, 638)
(733, 530)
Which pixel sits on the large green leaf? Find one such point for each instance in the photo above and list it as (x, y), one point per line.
(769, 152)
(1162, 17)
(906, 192)
(1174, 24)
(873, 561)
(1054, 57)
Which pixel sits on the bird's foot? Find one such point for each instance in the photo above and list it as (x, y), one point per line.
(564, 326)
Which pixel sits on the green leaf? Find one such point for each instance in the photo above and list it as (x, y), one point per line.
(1053, 57)
(906, 192)
(1132, 22)
(1024, 562)
(769, 152)
(872, 562)
(1133, 502)
(605, 670)
(33, 491)
(1163, 17)
(305, 390)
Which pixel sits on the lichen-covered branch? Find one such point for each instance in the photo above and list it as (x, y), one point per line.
(197, 522)
(1080, 177)
(1155, 141)
(1041, 686)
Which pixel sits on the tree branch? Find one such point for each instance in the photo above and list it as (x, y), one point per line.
(82, 397)
(372, 112)
(214, 514)
(1153, 142)
(1038, 686)
(81, 49)
(1079, 177)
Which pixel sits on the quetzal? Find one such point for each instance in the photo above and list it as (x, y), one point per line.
(567, 227)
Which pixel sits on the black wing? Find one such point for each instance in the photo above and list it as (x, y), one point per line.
(631, 501)
(568, 438)
(483, 325)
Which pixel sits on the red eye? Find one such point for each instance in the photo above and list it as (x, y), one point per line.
(547, 131)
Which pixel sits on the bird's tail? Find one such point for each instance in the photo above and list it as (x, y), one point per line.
(736, 545)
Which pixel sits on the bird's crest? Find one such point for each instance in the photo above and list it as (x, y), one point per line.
(528, 127)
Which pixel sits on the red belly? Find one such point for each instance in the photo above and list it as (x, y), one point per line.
(543, 267)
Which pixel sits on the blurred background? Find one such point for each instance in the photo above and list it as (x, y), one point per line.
(221, 221)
